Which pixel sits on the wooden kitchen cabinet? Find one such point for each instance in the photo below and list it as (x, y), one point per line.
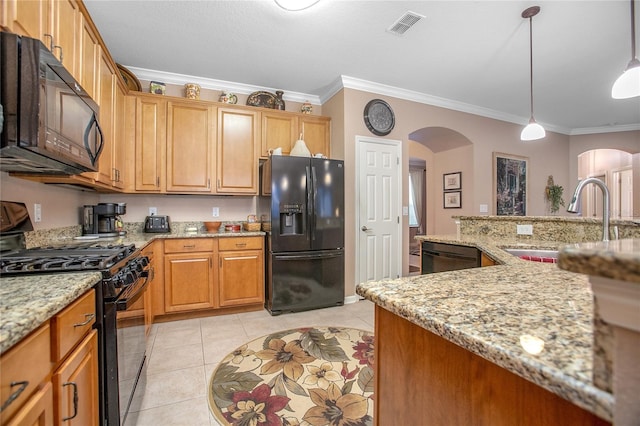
(27, 365)
(190, 146)
(316, 133)
(38, 410)
(28, 18)
(279, 130)
(143, 307)
(106, 99)
(150, 137)
(237, 144)
(66, 35)
(189, 274)
(75, 385)
(241, 271)
(89, 51)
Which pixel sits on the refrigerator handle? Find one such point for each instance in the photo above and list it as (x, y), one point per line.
(309, 225)
(314, 217)
(306, 256)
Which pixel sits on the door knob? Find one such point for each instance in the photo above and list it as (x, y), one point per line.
(364, 228)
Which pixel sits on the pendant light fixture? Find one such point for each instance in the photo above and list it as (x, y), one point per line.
(628, 84)
(533, 130)
(295, 5)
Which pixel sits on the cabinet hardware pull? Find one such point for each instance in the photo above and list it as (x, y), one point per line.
(158, 181)
(23, 385)
(51, 42)
(241, 244)
(58, 47)
(189, 246)
(75, 400)
(218, 183)
(89, 318)
(208, 183)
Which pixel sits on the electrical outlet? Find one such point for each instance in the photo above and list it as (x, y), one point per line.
(216, 211)
(524, 229)
(153, 211)
(37, 213)
(484, 208)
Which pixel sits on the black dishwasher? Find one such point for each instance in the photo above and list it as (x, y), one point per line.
(440, 257)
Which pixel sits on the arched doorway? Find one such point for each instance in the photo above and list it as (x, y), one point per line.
(439, 151)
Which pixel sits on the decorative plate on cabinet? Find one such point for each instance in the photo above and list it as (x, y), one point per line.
(262, 99)
(379, 118)
(129, 78)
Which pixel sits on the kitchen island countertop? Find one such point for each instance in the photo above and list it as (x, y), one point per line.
(489, 311)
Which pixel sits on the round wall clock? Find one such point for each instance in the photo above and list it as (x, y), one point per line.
(379, 118)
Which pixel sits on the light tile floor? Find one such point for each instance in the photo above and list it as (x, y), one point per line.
(184, 354)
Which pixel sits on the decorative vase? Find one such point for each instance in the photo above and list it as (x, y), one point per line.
(300, 149)
(306, 108)
(279, 103)
(228, 98)
(192, 91)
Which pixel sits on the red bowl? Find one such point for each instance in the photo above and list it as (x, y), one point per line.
(232, 228)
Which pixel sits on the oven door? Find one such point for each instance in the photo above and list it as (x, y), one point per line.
(131, 346)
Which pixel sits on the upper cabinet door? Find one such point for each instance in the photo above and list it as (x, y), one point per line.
(89, 58)
(151, 131)
(279, 130)
(66, 35)
(237, 158)
(190, 146)
(316, 132)
(106, 98)
(28, 18)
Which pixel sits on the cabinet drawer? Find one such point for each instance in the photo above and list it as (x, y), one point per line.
(240, 243)
(72, 324)
(185, 245)
(26, 365)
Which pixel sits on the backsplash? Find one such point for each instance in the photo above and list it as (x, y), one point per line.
(545, 228)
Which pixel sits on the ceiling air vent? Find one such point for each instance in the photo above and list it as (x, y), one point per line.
(406, 21)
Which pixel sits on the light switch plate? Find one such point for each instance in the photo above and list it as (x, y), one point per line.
(524, 229)
(153, 211)
(216, 212)
(484, 208)
(37, 213)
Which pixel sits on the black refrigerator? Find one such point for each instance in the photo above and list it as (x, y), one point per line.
(304, 200)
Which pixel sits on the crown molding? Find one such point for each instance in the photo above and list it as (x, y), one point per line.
(410, 95)
(605, 129)
(213, 84)
(347, 82)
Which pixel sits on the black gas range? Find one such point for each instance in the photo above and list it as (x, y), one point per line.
(121, 337)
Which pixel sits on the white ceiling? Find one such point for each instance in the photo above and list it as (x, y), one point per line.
(467, 55)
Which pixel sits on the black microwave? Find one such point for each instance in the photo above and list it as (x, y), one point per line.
(48, 122)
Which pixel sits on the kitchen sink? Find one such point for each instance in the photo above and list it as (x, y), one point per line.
(534, 254)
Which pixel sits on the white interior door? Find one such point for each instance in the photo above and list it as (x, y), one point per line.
(378, 203)
(622, 194)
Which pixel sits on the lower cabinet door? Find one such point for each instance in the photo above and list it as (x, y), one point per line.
(188, 282)
(75, 385)
(37, 411)
(241, 276)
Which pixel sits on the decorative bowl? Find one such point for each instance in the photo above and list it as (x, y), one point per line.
(212, 226)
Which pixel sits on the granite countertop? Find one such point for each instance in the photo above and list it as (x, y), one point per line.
(490, 310)
(23, 309)
(618, 259)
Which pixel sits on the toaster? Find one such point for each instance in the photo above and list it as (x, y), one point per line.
(157, 223)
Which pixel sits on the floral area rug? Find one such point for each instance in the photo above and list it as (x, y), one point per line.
(306, 376)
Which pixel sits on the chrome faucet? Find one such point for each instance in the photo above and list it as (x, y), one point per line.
(575, 202)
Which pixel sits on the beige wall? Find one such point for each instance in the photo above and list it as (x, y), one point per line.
(546, 157)
(61, 206)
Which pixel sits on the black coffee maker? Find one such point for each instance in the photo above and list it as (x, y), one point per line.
(103, 219)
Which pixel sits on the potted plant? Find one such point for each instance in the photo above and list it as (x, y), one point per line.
(553, 195)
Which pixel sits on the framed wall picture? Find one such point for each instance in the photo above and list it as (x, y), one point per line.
(452, 199)
(452, 181)
(510, 184)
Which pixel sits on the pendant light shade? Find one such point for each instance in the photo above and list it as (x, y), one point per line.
(533, 131)
(295, 5)
(628, 84)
